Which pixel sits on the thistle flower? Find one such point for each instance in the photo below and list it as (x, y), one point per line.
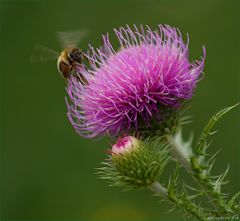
(133, 86)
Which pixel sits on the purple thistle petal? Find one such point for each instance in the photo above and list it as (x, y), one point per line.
(150, 70)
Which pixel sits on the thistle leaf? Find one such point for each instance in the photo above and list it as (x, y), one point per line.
(201, 166)
(234, 203)
(202, 143)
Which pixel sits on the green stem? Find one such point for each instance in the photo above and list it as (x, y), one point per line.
(174, 198)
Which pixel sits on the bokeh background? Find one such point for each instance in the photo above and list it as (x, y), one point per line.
(47, 170)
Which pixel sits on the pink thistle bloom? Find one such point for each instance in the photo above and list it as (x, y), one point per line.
(149, 73)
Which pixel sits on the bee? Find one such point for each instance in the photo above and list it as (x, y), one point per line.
(69, 59)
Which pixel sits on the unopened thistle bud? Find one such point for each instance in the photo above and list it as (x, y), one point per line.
(134, 163)
(125, 145)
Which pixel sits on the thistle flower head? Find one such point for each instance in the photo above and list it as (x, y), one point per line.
(150, 72)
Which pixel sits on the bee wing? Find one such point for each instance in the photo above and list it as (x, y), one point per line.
(41, 53)
(71, 38)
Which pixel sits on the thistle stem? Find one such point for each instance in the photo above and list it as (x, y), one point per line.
(156, 187)
(169, 195)
(179, 154)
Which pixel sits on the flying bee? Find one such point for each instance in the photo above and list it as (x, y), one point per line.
(70, 58)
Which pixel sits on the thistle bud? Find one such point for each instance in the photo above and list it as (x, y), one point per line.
(125, 145)
(135, 163)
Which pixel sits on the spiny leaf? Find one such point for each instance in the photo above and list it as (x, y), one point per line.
(234, 202)
(201, 145)
(202, 167)
(192, 188)
(191, 197)
(222, 176)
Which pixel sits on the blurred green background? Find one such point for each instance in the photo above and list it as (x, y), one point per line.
(47, 170)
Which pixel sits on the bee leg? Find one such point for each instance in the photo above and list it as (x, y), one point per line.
(85, 56)
(80, 77)
(83, 80)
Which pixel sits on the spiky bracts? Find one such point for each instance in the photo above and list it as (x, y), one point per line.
(129, 87)
(135, 163)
